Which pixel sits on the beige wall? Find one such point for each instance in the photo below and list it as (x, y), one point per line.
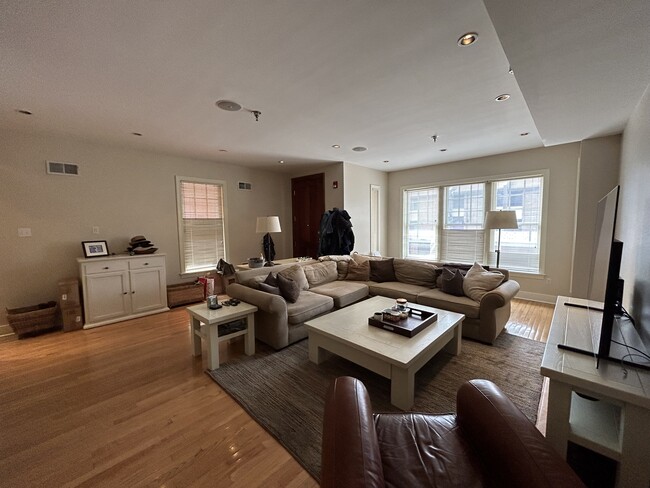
(634, 214)
(598, 170)
(357, 202)
(562, 164)
(124, 192)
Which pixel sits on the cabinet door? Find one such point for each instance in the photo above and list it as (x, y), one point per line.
(108, 296)
(148, 289)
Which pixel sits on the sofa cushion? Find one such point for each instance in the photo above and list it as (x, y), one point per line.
(452, 282)
(289, 289)
(382, 270)
(344, 293)
(308, 306)
(439, 299)
(358, 271)
(395, 289)
(362, 258)
(478, 281)
(416, 272)
(320, 273)
(296, 274)
(255, 281)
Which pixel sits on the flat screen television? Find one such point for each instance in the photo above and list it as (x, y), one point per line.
(605, 288)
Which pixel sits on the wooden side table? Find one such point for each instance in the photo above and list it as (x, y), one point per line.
(205, 325)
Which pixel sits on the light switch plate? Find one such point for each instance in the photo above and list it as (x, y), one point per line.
(24, 232)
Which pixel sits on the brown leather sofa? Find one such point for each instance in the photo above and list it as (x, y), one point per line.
(489, 442)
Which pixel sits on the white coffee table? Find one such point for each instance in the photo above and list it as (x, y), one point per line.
(211, 320)
(346, 333)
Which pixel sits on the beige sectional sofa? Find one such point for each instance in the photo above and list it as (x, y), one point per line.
(325, 287)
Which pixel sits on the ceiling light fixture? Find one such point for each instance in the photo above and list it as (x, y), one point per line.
(467, 39)
(281, 161)
(336, 146)
(434, 137)
(524, 134)
(386, 161)
(502, 98)
(138, 134)
(23, 112)
(230, 106)
(359, 149)
(223, 150)
(443, 149)
(511, 71)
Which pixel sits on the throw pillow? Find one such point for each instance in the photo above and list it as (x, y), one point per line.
(296, 274)
(342, 269)
(381, 271)
(289, 289)
(358, 272)
(416, 272)
(320, 273)
(478, 281)
(270, 289)
(452, 282)
(271, 280)
(463, 272)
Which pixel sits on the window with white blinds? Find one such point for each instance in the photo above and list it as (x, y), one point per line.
(461, 236)
(201, 226)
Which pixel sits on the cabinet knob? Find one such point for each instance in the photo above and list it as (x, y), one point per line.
(125, 293)
(146, 264)
(132, 292)
(106, 267)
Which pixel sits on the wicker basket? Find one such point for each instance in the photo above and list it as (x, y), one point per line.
(36, 318)
(184, 293)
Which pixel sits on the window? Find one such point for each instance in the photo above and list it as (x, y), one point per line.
(201, 228)
(520, 248)
(374, 219)
(461, 209)
(421, 223)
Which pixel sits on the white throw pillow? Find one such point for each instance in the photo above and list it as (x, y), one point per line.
(478, 281)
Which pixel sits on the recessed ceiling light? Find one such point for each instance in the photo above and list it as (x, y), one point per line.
(524, 134)
(138, 134)
(281, 161)
(511, 71)
(228, 105)
(443, 149)
(386, 161)
(502, 98)
(359, 149)
(23, 112)
(467, 39)
(336, 146)
(223, 150)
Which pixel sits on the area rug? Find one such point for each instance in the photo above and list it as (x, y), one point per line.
(284, 392)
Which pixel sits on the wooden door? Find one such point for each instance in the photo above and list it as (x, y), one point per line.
(308, 207)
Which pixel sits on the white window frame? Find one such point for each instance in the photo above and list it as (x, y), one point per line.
(544, 173)
(179, 214)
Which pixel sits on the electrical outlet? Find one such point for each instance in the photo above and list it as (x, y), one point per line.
(24, 232)
(95, 229)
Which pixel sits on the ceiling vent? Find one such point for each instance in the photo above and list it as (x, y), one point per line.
(65, 169)
(245, 186)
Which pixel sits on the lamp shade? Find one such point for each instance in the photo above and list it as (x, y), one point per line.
(501, 219)
(268, 224)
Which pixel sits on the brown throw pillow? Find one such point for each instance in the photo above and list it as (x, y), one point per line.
(289, 289)
(358, 272)
(381, 271)
(452, 282)
(270, 289)
(271, 280)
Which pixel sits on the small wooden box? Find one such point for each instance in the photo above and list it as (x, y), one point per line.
(184, 293)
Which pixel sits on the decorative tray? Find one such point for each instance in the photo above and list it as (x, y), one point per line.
(416, 321)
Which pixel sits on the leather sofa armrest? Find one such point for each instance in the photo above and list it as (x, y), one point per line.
(350, 455)
(512, 449)
(264, 301)
(501, 295)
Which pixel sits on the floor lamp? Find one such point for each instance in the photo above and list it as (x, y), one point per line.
(500, 219)
(266, 225)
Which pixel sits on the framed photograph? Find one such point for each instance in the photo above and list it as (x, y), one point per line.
(94, 249)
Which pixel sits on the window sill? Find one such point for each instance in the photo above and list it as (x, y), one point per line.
(530, 276)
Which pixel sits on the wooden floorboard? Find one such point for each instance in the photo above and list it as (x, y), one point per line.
(127, 405)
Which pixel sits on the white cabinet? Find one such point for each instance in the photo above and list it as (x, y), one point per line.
(118, 288)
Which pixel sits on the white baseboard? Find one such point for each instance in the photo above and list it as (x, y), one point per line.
(537, 297)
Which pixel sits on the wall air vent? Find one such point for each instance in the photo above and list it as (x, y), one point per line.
(245, 186)
(65, 169)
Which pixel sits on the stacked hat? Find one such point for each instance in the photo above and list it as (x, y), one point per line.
(140, 245)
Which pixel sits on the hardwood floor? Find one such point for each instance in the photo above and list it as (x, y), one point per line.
(127, 405)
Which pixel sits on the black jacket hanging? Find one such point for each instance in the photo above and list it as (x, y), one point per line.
(335, 234)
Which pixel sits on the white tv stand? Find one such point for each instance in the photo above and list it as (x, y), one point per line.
(617, 424)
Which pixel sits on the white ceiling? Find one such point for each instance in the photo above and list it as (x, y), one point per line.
(382, 74)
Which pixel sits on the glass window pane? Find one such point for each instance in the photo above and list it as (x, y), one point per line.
(421, 223)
